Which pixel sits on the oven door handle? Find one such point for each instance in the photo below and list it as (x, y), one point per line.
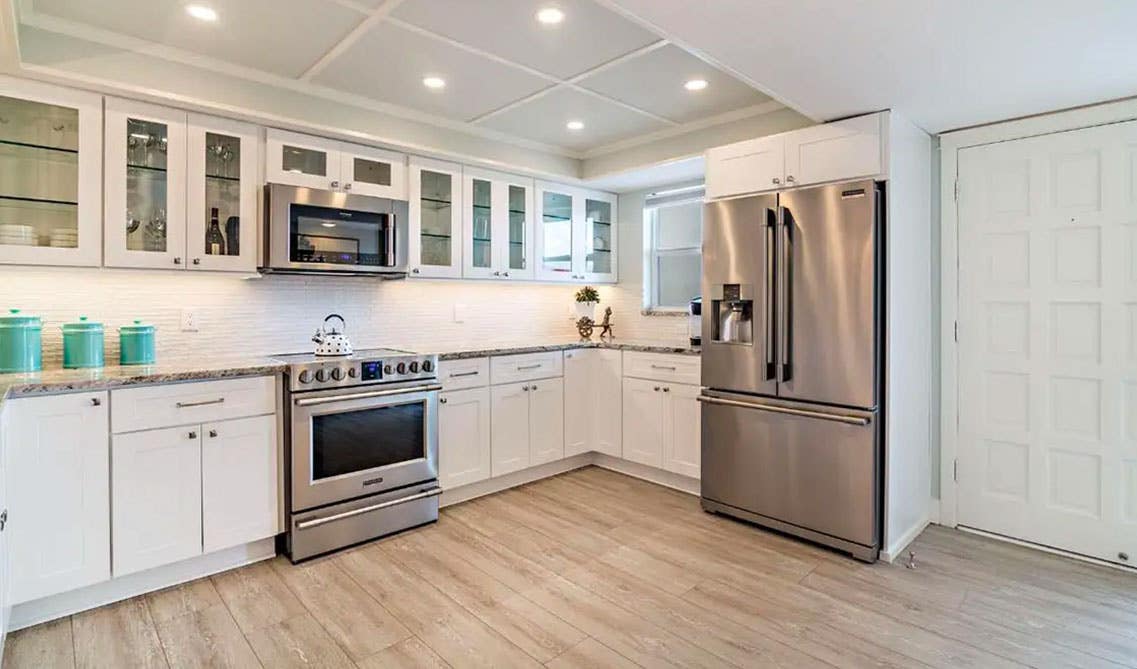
(310, 401)
(432, 492)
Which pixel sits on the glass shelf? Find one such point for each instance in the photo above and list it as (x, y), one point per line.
(38, 200)
(42, 147)
(215, 177)
(556, 219)
(482, 241)
(446, 202)
(600, 223)
(146, 168)
(431, 235)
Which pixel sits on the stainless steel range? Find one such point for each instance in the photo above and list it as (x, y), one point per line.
(362, 447)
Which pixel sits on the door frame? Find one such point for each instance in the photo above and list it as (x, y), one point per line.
(951, 144)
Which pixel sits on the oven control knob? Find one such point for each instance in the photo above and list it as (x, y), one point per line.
(337, 374)
(388, 370)
(352, 372)
(321, 375)
(427, 366)
(414, 367)
(305, 376)
(402, 368)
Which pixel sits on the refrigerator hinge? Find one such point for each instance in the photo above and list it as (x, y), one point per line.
(955, 470)
(957, 189)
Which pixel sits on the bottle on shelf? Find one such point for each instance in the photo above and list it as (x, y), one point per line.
(214, 240)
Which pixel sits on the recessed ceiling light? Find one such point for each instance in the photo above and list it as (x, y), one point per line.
(201, 12)
(434, 82)
(695, 84)
(550, 16)
(575, 125)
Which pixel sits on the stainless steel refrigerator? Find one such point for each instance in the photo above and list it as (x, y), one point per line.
(792, 362)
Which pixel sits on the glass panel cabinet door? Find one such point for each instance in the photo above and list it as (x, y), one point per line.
(599, 239)
(50, 175)
(478, 228)
(375, 172)
(555, 234)
(145, 187)
(517, 234)
(221, 206)
(436, 219)
(302, 160)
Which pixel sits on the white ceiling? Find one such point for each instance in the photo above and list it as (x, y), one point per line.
(506, 74)
(943, 63)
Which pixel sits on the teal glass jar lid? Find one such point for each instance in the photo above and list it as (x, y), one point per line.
(14, 319)
(83, 325)
(138, 327)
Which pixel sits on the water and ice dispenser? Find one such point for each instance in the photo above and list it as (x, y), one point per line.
(732, 313)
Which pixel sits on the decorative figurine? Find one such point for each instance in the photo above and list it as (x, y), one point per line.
(606, 325)
(584, 327)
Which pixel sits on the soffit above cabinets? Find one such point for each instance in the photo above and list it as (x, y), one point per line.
(506, 74)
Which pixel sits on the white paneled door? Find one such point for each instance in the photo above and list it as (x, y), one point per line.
(1048, 340)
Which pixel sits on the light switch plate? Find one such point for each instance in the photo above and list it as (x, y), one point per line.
(189, 320)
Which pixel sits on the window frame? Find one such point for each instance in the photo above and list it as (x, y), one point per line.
(652, 254)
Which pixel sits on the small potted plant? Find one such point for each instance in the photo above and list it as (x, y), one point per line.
(586, 300)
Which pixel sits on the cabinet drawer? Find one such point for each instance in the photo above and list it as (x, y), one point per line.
(525, 367)
(460, 374)
(187, 403)
(662, 367)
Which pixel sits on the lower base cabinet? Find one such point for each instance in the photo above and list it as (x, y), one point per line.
(546, 421)
(239, 482)
(463, 437)
(592, 402)
(527, 424)
(662, 425)
(643, 422)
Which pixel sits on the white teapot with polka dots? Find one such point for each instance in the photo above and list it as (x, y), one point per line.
(330, 341)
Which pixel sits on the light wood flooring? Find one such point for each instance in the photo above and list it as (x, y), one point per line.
(595, 569)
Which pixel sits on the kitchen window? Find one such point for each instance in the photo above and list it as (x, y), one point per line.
(673, 236)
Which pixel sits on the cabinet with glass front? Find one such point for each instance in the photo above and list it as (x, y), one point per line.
(576, 234)
(50, 174)
(435, 219)
(497, 240)
(221, 187)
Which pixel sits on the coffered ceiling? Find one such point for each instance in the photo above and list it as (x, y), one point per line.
(505, 73)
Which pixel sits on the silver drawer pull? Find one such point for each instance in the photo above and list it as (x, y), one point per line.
(522, 368)
(186, 405)
(840, 418)
(433, 492)
(669, 368)
(461, 374)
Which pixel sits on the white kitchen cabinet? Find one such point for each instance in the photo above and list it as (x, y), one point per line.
(497, 225)
(317, 162)
(662, 425)
(464, 454)
(435, 227)
(682, 438)
(546, 421)
(156, 493)
(578, 383)
(745, 167)
(509, 427)
(593, 415)
(58, 493)
(607, 426)
(51, 162)
(5, 564)
(145, 185)
(575, 234)
(240, 475)
(643, 422)
(222, 163)
(835, 151)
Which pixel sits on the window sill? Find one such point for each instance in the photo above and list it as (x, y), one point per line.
(663, 311)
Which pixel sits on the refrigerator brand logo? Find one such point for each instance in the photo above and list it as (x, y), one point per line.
(858, 192)
(373, 481)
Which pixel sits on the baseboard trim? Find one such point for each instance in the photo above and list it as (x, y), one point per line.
(513, 479)
(658, 476)
(114, 590)
(897, 547)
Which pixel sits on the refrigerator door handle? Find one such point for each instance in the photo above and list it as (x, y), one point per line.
(785, 301)
(770, 371)
(859, 421)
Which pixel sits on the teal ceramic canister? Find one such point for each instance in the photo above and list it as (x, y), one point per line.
(21, 342)
(82, 344)
(136, 344)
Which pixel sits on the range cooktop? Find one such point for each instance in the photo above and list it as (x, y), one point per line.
(308, 371)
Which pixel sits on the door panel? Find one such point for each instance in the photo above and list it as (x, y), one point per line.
(546, 421)
(240, 479)
(464, 437)
(643, 422)
(828, 244)
(681, 430)
(580, 372)
(746, 167)
(509, 428)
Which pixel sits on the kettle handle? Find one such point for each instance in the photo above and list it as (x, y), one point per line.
(343, 323)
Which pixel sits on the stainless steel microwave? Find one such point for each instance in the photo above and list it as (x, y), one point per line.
(314, 231)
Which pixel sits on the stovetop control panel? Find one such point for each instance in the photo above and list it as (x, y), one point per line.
(352, 371)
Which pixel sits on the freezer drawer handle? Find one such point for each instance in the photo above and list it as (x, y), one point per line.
(840, 418)
(362, 396)
(433, 492)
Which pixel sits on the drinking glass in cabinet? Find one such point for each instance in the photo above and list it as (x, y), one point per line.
(39, 174)
(436, 202)
(222, 194)
(304, 161)
(482, 229)
(517, 211)
(146, 181)
(556, 222)
(598, 216)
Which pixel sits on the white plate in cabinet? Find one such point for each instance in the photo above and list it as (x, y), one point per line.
(526, 366)
(663, 367)
(156, 498)
(466, 373)
(746, 167)
(195, 402)
(58, 477)
(464, 437)
(240, 476)
(835, 151)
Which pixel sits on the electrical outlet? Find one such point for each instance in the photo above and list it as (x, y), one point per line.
(189, 320)
(461, 313)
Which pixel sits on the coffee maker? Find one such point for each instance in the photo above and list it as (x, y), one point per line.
(695, 321)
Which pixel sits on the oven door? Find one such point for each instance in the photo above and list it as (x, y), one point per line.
(352, 443)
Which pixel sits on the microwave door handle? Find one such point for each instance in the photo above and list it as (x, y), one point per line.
(389, 235)
(771, 233)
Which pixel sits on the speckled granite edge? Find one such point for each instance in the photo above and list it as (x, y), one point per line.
(53, 382)
(539, 348)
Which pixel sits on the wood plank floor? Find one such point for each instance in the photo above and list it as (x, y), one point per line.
(595, 569)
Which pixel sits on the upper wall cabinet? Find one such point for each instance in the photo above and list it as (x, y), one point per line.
(180, 189)
(576, 234)
(327, 164)
(435, 231)
(497, 225)
(835, 151)
(51, 146)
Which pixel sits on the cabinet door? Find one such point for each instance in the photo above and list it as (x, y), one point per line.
(301, 160)
(222, 186)
(682, 438)
(51, 147)
(546, 421)
(5, 571)
(375, 172)
(607, 414)
(516, 228)
(746, 167)
(643, 422)
(156, 494)
(58, 495)
(463, 437)
(578, 389)
(509, 427)
(240, 479)
(595, 254)
(435, 219)
(145, 190)
(479, 252)
(556, 234)
(835, 151)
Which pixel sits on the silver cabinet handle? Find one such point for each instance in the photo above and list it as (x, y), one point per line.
(197, 261)
(442, 400)
(666, 390)
(524, 389)
(305, 524)
(790, 179)
(335, 184)
(96, 402)
(670, 368)
(362, 396)
(522, 368)
(656, 389)
(533, 387)
(414, 271)
(460, 374)
(840, 418)
(505, 273)
(3, 519)
(177, 260)
(213, 434)
(347, 186)
(186, 405)
(192, 435)
(777, 181)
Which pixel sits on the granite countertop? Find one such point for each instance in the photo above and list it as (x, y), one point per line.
(619, 345)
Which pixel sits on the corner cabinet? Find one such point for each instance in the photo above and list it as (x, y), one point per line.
(497, 225)
(435, 230)
(318, 162)
(51, 148)
(575, 234)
